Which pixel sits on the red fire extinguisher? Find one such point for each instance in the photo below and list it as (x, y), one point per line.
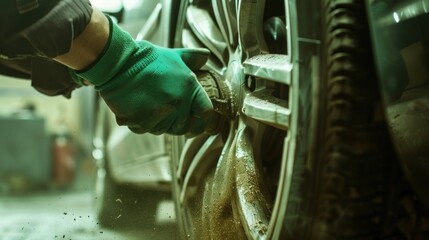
(63, 154)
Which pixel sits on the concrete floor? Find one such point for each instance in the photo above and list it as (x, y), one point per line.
(50, 213)
(69, 215)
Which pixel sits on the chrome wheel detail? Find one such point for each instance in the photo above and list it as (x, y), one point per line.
(226, 184)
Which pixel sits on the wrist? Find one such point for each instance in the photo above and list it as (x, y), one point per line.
(119, 47)
(89, 44)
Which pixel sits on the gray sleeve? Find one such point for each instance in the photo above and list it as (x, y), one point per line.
(32, 32)
(46, 30)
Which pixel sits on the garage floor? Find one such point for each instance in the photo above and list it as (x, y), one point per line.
(70, 215)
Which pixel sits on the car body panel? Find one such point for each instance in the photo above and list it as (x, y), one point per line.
(138, 159)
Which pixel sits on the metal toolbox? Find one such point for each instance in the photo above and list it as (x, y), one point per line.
(25, 159)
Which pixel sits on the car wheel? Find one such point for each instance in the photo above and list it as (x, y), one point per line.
(305, 151)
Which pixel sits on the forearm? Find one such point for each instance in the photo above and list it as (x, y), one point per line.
(46, 32)
(89, 44)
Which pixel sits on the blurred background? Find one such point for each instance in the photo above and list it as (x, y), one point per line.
(47, 169)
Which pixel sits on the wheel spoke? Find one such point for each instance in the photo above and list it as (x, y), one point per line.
(220, 17)
(225, 12)
(263, 106)
(231, 18)
(220, 208)
(207, 32)
(190, 41)
(250, 19)
(205, 158)
(276, 67)
(190, 149)
(253, 206)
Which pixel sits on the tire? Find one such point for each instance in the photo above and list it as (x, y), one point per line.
(305, 153)
(346, 193)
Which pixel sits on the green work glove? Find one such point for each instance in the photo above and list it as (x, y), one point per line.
(150, 88)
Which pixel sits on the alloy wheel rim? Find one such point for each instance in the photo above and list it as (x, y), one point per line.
(233, 184)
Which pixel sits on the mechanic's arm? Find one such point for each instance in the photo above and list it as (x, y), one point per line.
(148, 88)
(32, 32)
(89, 44)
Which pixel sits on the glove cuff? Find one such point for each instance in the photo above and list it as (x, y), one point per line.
(76, 78)
(119, 47)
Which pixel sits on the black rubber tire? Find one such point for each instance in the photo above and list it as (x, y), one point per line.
(352, 178)
(345, 192)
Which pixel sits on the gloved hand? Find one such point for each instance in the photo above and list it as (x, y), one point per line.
(150, 88)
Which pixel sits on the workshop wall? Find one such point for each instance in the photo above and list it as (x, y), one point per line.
(15, 93)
